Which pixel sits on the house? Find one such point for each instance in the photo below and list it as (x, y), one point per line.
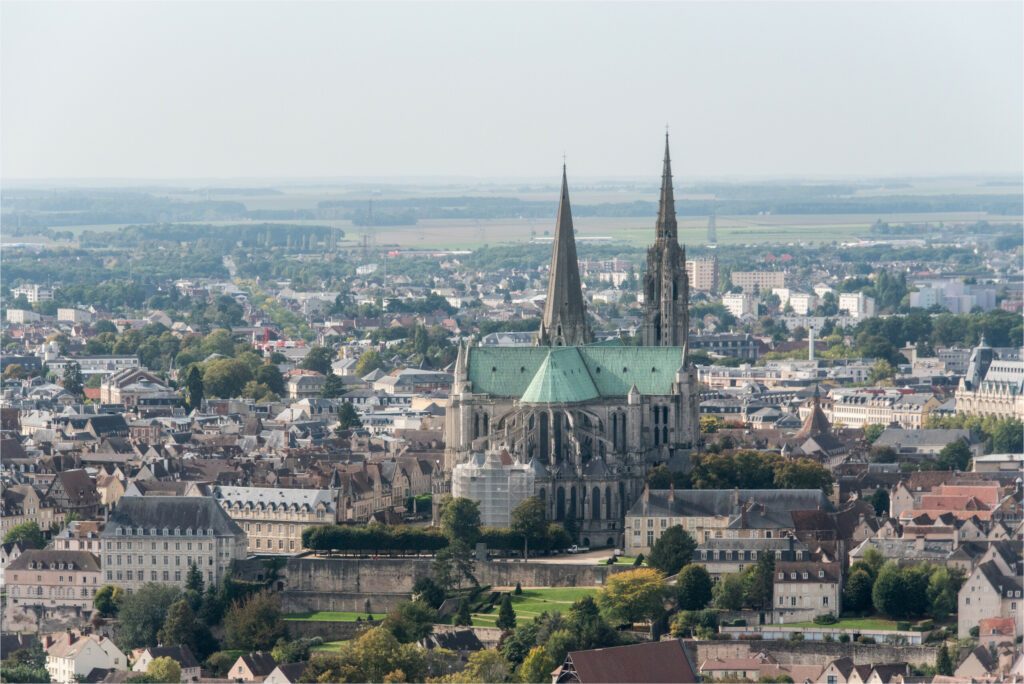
(289, 673)
(24, 503)
(461, 641)
(927, 442)
(979, 663)
(46, 578)
(8, 552)
(658, 661)
(844, 671)
(991, 591)
(252, 667)
(72, 656)
(190, 671)
(993, 632)
(73, 491)
(804, 590)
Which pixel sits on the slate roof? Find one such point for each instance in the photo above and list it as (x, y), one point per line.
(179, 654)
(658, 661)
(82, 561)
(764, 507)
(275, 497)
(833, 573)
(458, 640)
(612, 370)
(158, 512)
(260, 664)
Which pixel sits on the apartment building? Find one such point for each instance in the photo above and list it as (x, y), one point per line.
(702, 274)
(856, 408)
(274, 518)
(763, 281)
(857, 305)
(47, 578)
(157, 538)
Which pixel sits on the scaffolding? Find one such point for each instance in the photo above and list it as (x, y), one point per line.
(498, 486)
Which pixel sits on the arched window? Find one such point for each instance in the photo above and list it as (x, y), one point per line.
(595, 504)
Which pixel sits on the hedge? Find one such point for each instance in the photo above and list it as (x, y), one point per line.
(385, 538)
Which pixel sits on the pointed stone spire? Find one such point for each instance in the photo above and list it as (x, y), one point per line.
(667, 226)
(565, 317)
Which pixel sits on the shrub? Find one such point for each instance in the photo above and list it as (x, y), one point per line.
(844, 638)
(610, 561)
(721, 636)
(974, 631)
(751, 637)
(826, 619)
(828, 638)
(519, 589)
(902, 626)
(796, 636)
(862, 639)
(924, 626)
(639, 560)
(739, 622)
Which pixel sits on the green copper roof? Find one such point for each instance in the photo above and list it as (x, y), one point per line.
(562, 378)
(611, 370)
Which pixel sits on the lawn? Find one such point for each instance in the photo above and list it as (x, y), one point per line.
(532, 602)
(328, 616)
(329, 646)
(850, 623)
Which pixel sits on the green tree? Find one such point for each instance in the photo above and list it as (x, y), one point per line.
(506, 616)
(427, 590)
(193, 388)
(194, 579)
(803, 473)
(73, 381)
(633, 595)
(759, 582)
(857, 592)
(318, 359)
(694, 588)
(226, 378)
(589, 629)
(27, 534)
(410, 621)
(348, 417)
(463, 616)
(270, 375)
(728, 592)
(164, 669)
(107, 600)
(901, 592)
(537, 666)
(672, 551)
(292, 651)
(254, 623)
(368, 362)
(460, 520)
(529, 522)
(334, 387)
(143, 613)
(943, 662)
(880, 502)
(955, 456)
(880, 371)
(872, 432)
(487, 665)
(26, 665)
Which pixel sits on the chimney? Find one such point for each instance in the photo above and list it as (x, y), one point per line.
(72, 637)
(47, 642)
(735, 498)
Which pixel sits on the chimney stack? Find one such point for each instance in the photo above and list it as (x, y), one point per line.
(810, 343)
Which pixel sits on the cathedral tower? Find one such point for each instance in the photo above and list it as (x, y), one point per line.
(565, 315)
(666, 287)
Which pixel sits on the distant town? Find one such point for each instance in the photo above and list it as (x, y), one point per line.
(315, 445)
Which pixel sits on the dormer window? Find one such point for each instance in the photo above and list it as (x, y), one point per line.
(782, 575)
(792, 575)
(805, 575)
(152, 531)
(141, 532)
(119, 532)
(821, 574)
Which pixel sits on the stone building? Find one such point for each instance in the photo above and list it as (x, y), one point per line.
(589, 419)
(805, 590)
(157, 538)
(273, 518)
(991, 386)
(48, 579)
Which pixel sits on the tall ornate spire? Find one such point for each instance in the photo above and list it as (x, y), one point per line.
(667, 227)
(565, 316)
(666, 287)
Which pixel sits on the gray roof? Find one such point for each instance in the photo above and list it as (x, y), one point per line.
(275, 496)
(171, 512)
(760, 508)
(892, 437)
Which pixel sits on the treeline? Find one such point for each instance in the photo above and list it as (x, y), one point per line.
(746, 469)
(223, 238)
(372, 538)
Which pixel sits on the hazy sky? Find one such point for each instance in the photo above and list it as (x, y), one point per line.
(337, 89)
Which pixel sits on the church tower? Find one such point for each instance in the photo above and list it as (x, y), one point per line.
(565, 315)
(666, 287)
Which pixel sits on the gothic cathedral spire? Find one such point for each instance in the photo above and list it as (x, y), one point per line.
(666, 287)
(565, 316)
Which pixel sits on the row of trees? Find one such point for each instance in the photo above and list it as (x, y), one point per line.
(745, 469)
(901, 592)
(375, 538)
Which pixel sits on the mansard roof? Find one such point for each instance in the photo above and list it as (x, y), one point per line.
(611, 370)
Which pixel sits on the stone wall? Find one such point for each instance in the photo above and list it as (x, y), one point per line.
(312, 583)
(807, 653)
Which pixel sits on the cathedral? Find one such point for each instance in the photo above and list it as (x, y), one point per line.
(588, 419)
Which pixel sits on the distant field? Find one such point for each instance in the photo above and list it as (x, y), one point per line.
(533, 602)
(638, 232)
